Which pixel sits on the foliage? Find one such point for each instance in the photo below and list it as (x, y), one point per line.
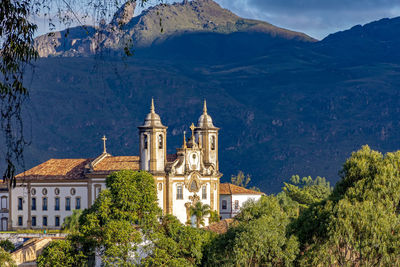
(61, 253)
(359, 222)
(243, 180)
(307, 191)
(16, 50)
(71, 223)
(260, 238)
(200, 211)
(6, 259)
(111, 225)
(214, 217)
(7, 245)
(174, 244)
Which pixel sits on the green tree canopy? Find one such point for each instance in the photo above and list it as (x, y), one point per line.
(71, 223)
(359, 224)
(175, 244)
(243, 180)
(260, 238)
(200, 211)
(120, 216)
(307, 191)
(61, 253)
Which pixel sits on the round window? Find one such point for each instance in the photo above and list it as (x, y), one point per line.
(33, 191)
(44, 191)
(57, 191)
(73, 191)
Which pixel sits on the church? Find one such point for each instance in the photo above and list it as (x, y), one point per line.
(49, 192)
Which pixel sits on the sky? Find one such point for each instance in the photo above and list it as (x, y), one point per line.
(317, 18)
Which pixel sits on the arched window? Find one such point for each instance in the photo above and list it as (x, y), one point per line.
(213, 142)
(4, 202)
(179, 192)
(160, 141)
(160, 186)
(204, 192)
(145, 141)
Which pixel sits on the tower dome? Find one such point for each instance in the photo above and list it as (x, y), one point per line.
(152, 119)
(205, 120)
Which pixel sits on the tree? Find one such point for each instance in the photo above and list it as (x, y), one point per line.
(71, 223)
(175, 244)
(61, 253)
(243, 180)
(6, 259)
(359, 224)
(260, 238)
(17, 51)
(214, 217)
(200, 211)
(307, 191)
(120, 216)
(7, 245)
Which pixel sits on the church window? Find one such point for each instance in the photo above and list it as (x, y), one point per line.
(57, 191)
(145, 141)
(160, 186)
(67, 203)
(33, 203)
(179, 192)
(224, 204)
(33, 222)
(20, 202)
(204, 192)
(57, 203)
(193, 186)
(44, 220)
(73, 191)
(213, 142)
(57, 221)
(78, 203)
(236, 204)
(160, 141)
(20, 220)
(97, 190)
(44, 204)
(4, 202)
(44, 191)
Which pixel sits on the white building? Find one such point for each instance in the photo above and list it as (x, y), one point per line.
(232, 198)
(49, 192)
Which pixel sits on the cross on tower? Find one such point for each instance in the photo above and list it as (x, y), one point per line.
(192, 127)
(104, 143)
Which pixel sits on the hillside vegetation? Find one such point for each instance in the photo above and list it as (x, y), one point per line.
(285, 105)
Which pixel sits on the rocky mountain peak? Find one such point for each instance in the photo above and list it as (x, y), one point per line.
(154, 26)
(124, 14)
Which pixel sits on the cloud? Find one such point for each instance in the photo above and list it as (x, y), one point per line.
(317, 18)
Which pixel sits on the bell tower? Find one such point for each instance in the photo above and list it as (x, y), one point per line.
(207, 136)
(153, 143)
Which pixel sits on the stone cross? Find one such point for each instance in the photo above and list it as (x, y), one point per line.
(192, 127)
(104, 143)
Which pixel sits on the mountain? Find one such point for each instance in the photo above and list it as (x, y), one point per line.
(284, 105)
(156, 25)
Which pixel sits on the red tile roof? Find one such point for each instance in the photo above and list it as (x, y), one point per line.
(77, 168)
(110, 164)
(231, 189)
(220, 227)
(57, 169)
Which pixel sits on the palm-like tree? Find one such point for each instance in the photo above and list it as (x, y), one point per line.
(71, 222)
(200, 211)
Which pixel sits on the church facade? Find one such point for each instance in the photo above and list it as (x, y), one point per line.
(49, 192)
